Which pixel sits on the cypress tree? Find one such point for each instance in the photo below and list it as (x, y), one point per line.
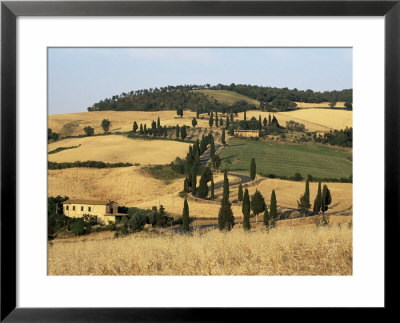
(226, 221)
(221, 122)
(240, 192)
(194, 181)
(186, 185)
(244, 116)
(177, 131)
(269, 119)
(203, 187)
(257, 204)
(197, 113)
(212, 188)
(259, 122)
(318, 200)
(216, 119)
(253, 169)
(223, 137)
(211, 120)
(266, 218)
(227, 122)
(231, 116)
(197, 158)
(135, 126)
(183, 132)
(326, 198)
(141, 129)
(185, 217)
(212, 149)
(265, 122)
(246, 210)
(273, 207)
(225, 195)
(158, 123)
(145, 130)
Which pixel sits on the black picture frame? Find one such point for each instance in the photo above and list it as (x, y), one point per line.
(10, 10)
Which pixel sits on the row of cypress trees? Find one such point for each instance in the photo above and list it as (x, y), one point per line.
(321, 202)
(258, 205)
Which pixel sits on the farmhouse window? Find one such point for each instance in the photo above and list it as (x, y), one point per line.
(89, 209)
(67, 207)
(73, 208)
(81, 208)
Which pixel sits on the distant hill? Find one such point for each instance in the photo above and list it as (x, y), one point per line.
(222, 98)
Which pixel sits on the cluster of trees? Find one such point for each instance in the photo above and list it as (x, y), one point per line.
(164, 98)
(257, 205)
(343, 137)
(191, 167)
(89, 163)
(321, 202)
(155, 130)
(269, 94)
(137, 218)
(295, 126)
(52, 135)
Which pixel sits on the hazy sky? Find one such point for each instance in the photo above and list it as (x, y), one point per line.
(79, 77)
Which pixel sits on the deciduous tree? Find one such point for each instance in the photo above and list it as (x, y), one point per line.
(257, 204)
(106, 124)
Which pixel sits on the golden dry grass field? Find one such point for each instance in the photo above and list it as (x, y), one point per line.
(116, 148)
(285, 250)
(305, 105)
(121, 121)
(131, 186)
(320, 120)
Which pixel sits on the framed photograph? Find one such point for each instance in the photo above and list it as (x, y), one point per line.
(181, 160)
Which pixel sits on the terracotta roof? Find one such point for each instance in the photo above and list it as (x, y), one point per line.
(89, 202)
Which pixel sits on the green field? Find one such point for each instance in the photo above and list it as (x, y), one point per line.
(228, 97)
(284, 159)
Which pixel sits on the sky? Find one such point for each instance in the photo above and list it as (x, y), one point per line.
(79, 77)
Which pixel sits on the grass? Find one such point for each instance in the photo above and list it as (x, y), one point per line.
(286, 250)
(162, 172)
(118, 148)
(228, 97)
(284, 159)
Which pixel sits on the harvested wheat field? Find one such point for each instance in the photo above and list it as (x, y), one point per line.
(321, 120)
(116, 148)
(72, 124)
(306, 105)
(280, 251)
